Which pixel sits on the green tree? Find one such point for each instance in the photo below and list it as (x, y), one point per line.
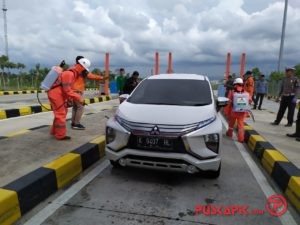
(276, 75)
(20, 67)
(3, 64)
(297, 72)
(256, 73)
(37, 69)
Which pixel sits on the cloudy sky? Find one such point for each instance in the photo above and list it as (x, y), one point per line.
(199, 33)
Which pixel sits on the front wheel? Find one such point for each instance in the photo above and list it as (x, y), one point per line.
(115, 163)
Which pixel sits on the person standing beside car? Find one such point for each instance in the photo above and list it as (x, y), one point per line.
(238, 98)
(60, 93)
(287, 93)
(228, 85)
(249, 83)
(131, 83)
(121, 81)
(79, 87)
(261, 90)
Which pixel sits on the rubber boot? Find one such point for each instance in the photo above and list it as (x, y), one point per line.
(229, 132)
(241, 136)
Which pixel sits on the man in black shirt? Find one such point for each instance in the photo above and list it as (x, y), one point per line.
(131, 83)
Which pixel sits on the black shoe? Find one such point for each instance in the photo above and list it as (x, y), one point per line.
(78, 127)
(292, 135)
(254, 108)
(288, 125)
(64, 138)
(72, 124)
(259, 109)
(298, 139)
(275, 123)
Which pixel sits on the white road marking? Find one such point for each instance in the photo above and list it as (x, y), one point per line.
(42, 215)
(286, 218)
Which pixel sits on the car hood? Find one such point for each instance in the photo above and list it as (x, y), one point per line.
(165, 114)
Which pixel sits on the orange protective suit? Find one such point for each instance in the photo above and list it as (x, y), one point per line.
(58, 95)
(249, 85)
(79, 87)
(235, 116)
(79, 83)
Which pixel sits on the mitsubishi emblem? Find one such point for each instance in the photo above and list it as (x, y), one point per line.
(155, 131)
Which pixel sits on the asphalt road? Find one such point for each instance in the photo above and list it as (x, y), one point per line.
(107, 195)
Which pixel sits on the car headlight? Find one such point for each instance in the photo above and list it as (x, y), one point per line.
(212, 142)
(206, 122)
(110, 135)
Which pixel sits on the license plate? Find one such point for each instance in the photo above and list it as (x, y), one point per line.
(155, 143)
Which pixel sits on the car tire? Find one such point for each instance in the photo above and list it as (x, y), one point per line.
(211, 174)
(115, 164)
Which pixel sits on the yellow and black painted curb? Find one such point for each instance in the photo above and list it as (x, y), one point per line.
(28, 110)
(20, 132)
(33, 91)
(23, 194)
(21, 92)
(284, 173)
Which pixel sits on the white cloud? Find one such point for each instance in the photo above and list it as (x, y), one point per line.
(199, 33)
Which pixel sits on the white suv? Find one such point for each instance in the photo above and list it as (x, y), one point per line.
(170, 122)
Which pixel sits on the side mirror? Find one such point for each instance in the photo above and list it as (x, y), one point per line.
(221, 102)
(123, 97)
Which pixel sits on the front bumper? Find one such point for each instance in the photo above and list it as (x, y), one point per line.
(164, 161)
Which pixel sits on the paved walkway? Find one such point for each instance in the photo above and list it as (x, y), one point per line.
(276, 135)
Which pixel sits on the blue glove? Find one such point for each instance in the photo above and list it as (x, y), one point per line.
(294, 100)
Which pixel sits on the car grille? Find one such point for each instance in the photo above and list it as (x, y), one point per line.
(164, 130)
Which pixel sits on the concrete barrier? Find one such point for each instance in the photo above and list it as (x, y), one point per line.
(284, 173)
(32, 91)
(23, 194)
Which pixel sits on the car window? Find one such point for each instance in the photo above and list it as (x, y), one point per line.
(172, 92)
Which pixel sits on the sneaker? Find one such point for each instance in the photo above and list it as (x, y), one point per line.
(288, 125)
(78, 127)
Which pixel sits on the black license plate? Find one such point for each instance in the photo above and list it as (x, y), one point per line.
(155, 143)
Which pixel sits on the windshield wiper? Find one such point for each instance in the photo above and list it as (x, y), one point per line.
(200, 104)
(159, 103)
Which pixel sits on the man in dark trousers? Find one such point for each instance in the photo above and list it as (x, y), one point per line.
(261, 88)
(297, 99)
(131, 83)
(287, 93)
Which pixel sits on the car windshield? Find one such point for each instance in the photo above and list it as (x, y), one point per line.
(172, 92)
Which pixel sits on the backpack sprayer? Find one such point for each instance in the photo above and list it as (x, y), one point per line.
(49, 80)
(241, 103)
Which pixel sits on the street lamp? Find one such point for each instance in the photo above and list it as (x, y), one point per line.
(282, 35)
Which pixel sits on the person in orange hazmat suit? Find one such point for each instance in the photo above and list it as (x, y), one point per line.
(239, 101)
(61, 93)
(79, 87)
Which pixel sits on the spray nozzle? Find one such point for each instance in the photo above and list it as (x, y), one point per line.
(62, 64)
